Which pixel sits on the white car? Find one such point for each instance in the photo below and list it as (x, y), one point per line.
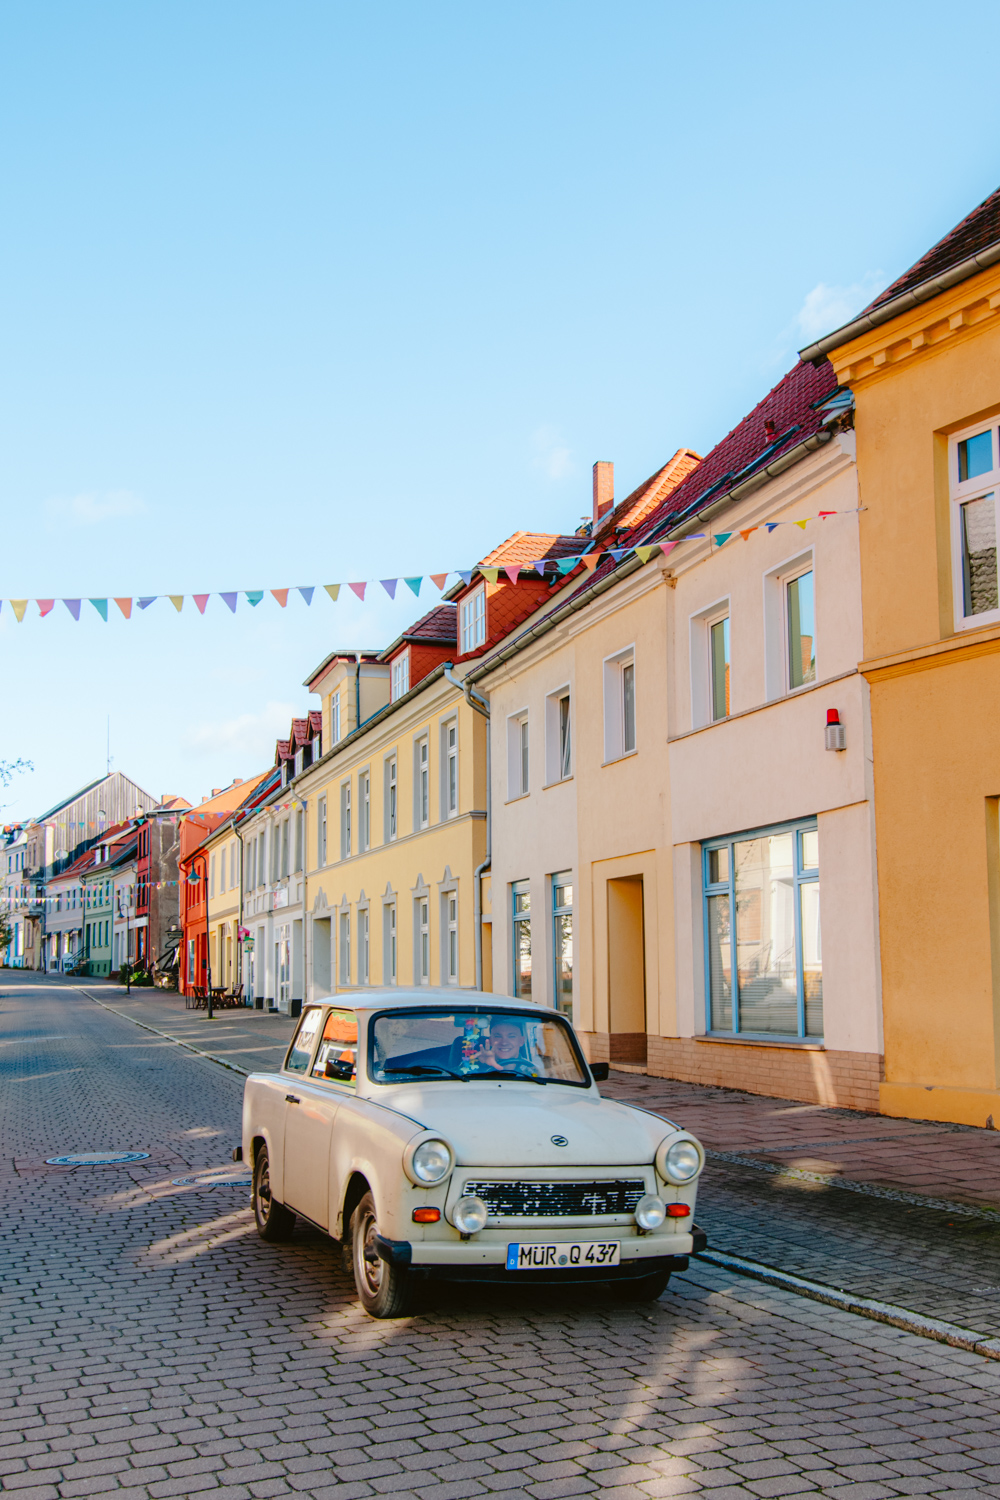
(462, 1136)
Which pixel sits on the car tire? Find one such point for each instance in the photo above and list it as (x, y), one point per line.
(274, 1221)
(385, 1290)
(642, 1288)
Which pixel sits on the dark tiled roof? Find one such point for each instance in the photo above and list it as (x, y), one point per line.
(439, 627)
(976, 231)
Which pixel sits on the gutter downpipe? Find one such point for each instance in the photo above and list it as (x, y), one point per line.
(357, 689)
(481, 705)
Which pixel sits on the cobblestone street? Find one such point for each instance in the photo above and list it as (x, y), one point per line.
(154, 1346)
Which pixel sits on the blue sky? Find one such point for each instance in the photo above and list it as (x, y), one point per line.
(313, 292)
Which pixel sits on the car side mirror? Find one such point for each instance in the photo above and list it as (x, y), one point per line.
(600, 1072)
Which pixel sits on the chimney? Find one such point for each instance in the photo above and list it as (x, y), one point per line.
(604, 490)
(217, 790)
(237, 781)
(205, 798)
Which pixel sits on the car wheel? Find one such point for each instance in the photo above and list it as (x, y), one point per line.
(384, 1290)
(642, 1288)
(274, 1221)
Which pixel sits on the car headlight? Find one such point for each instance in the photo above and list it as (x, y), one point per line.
(429, 1162)
(650, 1212)
(469, 1215)
(681, 1160)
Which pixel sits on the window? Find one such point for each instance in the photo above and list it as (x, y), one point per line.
(421, 783)
(211, 876)
(275, 846)
(449, 908)
(232, 867)
(619, 705)
(364, 811)
(449, 768)
(975, 479)
(300, 838)
(521, 914)
(284, 847)
(422, 943)
(474, 1042)
(222, 883)
(800, 618)
(718, 652)
(363, 951)
(389, 952)
(473, 620)
(345, 947)
(558, 737)
(390, 804)
(401, 675)
(321, 831)
(518, 759)
(301, 1050)
(345, 820)
(335, 718)
(764, 971)
(337, 1057)
(562, 941)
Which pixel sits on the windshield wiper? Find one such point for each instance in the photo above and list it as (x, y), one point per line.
(428, 1068)
(521, 1077)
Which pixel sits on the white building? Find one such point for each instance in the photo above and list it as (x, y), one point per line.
(14, 892)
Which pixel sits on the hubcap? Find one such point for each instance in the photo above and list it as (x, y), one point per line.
(264, 1193)
(371, 1264)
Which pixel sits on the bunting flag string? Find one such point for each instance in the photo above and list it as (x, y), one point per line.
(544, 567)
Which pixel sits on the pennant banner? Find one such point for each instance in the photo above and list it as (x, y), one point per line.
(544, 567)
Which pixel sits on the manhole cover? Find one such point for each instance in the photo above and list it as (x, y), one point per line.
(210, 1181)
(96, 1159)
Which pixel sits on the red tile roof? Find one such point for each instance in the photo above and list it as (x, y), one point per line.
(527, 547)
(635, 507)
(976, 231)
(438, 627)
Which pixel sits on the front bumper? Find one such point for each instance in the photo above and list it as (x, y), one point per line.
(486, 1261)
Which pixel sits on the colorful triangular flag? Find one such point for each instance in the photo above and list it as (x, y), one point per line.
(617, 553)
(490, 574)
(567, 564)
(802, 524)
(359, 589)
(466, 576)
(307, 594)
(45, 606)
(125, 605)
(540, 566)
(150, 599)
(439, 580)
(101, 605)
(19, 606)
(333, 589)
(824, 513)
(513, 574)
(281, 595)
(73, 605)
(389, 584)
(771, 526)
(254, 596)
(414, 583)
(229, 599)
(201, 600)
(645, 553)
(747, 533)
(177, 600)
(591, 560)
(722, 537)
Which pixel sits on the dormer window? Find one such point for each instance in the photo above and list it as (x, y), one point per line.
(316, 747)
(473, 620)
(401, 675)
(299, 761)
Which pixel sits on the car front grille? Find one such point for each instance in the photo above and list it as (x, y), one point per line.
(551, 1200)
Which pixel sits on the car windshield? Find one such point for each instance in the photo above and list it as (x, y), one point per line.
(457, 1045)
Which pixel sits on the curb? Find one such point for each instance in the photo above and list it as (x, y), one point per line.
(865, 1307)
(198, 1052)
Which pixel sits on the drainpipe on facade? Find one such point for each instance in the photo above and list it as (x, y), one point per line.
(481, 705)
(357, 689)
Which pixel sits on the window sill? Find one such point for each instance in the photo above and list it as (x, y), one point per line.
(519, 798)
(626, 755)
(761, 1039)
(560, 781)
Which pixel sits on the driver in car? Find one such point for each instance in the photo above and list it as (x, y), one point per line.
(504, 1048)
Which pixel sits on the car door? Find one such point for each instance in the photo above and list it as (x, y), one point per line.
(310, 1109)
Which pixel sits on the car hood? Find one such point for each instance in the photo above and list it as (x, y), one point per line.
(512, 1124)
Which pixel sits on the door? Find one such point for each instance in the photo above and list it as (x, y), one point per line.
(627, 970)
(309, 1119)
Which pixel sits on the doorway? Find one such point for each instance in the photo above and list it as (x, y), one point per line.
(627, 971)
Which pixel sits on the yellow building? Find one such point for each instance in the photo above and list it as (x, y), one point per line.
(222, 849)
(396, 819)
(924, 365)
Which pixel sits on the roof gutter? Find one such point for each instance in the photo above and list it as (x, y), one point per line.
(482, 706)
(905, 302)
(771, 471)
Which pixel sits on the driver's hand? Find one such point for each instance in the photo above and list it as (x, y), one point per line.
(487, 1056)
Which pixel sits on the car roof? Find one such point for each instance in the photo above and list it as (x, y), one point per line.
(425, 997)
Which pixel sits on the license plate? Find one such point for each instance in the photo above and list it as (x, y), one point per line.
(564, 1256)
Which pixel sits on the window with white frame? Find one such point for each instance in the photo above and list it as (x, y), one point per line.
(520, 904)
(800, 628)
(364, 976)
(562, 942)
(321, 831)
(449, 932)
(710, 679)
(718, 666)
(364, 811)
(284, 847)
(619, 704)
(558, 736)
(473, 620)
(422, 940)
(974, 470)
(345, 820)
(300, 839)
(518, 757)
(421, 782)
(389, 948)
(335, 718)
(763, 947)
(233, 871)
(344, 935)
(401, 675)
(449, 768)
(390, 799)
(222, 883)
